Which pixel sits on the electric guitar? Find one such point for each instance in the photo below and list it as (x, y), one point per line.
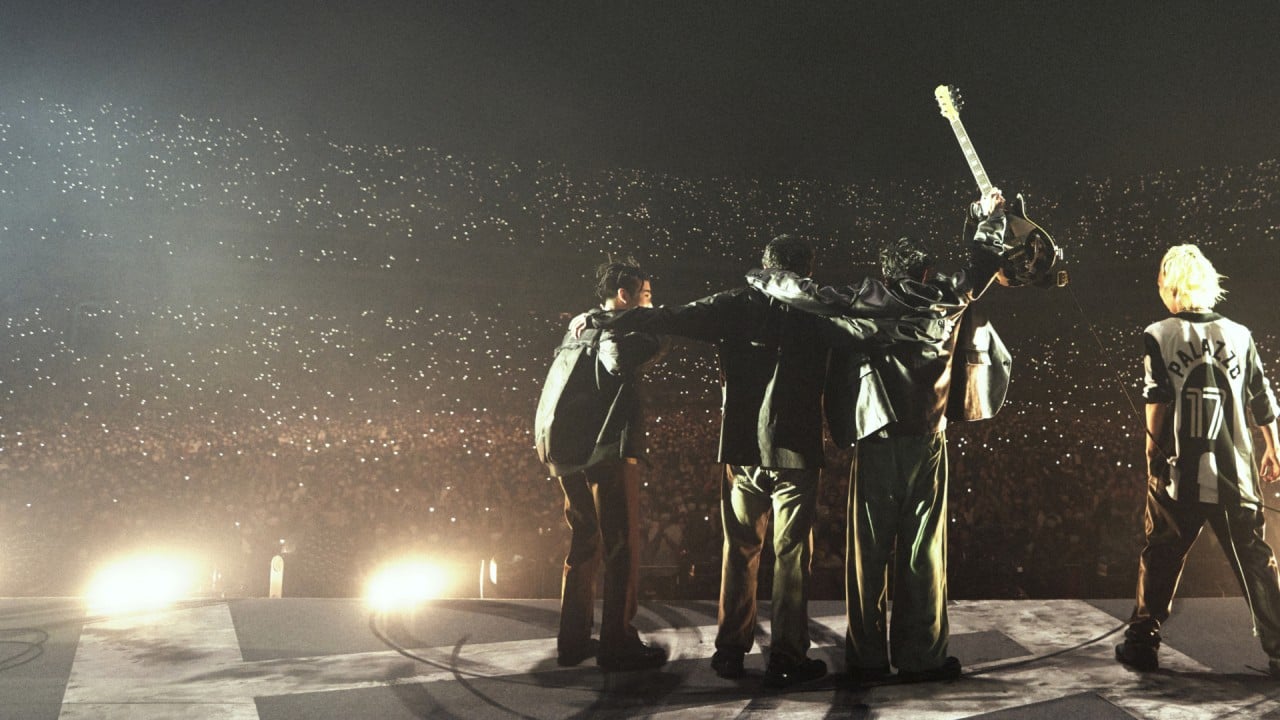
(1032, 253)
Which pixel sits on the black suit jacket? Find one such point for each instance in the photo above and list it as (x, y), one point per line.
(773, 359)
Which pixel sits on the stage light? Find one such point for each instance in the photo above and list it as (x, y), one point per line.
(402, 585)
(145, 582)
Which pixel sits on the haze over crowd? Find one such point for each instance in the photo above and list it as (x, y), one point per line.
(223, 336)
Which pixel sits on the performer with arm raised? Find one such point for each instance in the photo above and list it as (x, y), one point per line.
(894, 403)
(773, 359)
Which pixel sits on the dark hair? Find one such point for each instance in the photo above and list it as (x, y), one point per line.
(616, 274)
(904, 258)
(787, 252)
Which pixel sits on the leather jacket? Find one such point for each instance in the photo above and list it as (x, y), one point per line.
(911, 388)
(591, 408)
(773, 359)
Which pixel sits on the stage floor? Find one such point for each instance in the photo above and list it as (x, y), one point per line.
(322, 659)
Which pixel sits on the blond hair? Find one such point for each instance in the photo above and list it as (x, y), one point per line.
(1188, 281)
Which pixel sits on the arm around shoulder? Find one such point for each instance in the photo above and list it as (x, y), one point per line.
(798, 292)
(700, 320)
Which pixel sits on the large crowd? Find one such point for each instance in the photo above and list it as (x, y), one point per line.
(341, 410)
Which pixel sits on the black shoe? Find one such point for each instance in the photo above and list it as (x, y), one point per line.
(635, 657)
(1273, 667)
(1143, 657)
(869, 676)
(948, 670)
(785, 674)
(574, 656)
(728, 664)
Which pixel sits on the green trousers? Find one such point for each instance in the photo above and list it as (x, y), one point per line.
(747, 497)
(898, 511)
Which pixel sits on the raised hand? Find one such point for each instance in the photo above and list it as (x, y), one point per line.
(991, 202)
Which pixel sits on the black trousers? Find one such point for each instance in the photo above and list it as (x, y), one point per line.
(602, 507)
(1172, 527)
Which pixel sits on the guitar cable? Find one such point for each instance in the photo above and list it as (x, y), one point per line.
(1125, 391)
(1226, 516)
(1235, 554)
(1115, 374)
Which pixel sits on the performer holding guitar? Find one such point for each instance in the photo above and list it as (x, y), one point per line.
(893, 407)
(1032, 253)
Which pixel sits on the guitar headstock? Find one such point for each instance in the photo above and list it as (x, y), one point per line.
(949, 101)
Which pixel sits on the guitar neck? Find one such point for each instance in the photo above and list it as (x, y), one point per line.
(971, 156)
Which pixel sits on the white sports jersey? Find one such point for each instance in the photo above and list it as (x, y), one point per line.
(1207, 368)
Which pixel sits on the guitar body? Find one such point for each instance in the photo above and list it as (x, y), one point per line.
(1032, 252)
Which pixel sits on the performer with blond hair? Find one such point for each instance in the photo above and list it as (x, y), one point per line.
(1204, 384)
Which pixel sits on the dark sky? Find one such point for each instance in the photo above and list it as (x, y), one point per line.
(836, 90)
